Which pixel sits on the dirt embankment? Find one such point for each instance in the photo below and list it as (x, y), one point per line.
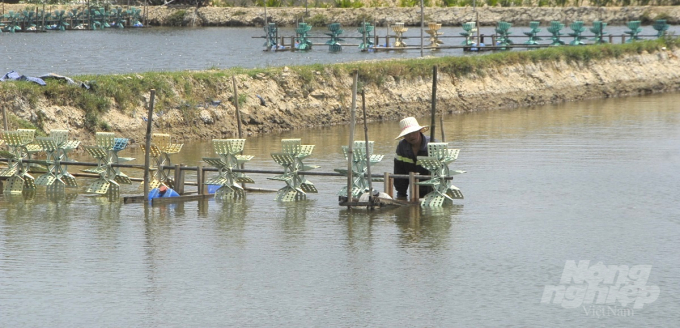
(382, 16)
(325, 99)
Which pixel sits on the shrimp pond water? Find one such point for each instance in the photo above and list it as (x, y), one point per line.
(133, 50)
(590, 181)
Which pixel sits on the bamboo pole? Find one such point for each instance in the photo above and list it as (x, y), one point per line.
(434, 102)
(350, 159)
(149, 123)
(368, 154)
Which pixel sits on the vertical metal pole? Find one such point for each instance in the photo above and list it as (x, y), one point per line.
(434, 102)
(350, 159)
(368, 155)
(422, 27)
(149, 122)
(238, 112)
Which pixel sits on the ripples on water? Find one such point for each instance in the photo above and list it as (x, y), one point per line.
(580, 181)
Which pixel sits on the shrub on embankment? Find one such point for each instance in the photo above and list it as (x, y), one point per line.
(127, 95)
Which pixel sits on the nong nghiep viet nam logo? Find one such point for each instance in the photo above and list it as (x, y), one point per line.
(611, 285)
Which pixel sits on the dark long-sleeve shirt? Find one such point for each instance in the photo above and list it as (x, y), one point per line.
(405, 162)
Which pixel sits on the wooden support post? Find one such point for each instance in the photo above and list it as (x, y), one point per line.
(493, 41)
(412, 187)
(611, 39)
(179, 183)
(623, 38)
(147, 160)
(176, 177)
(292, 43)
(200, 178)
(388, 184)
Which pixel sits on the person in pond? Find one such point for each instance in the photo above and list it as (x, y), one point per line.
(413, 144)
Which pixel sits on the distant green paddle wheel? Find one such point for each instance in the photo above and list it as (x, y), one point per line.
(118, 15)
(634, 30)
(134, 16)
(598, 30)
(533, 33)
(59, 20)
(76, 18)
(556, 30)
(334, 43)
(503, 32)
(301, 32)
(272, 36)
(469, 30)
(28, 20)
(366, 30)
(13, 21)
(577, 31)
(661, 27)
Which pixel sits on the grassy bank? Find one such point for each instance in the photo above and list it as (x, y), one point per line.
(127, 94)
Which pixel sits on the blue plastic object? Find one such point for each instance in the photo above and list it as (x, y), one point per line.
(156, 193)
(213, 188)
